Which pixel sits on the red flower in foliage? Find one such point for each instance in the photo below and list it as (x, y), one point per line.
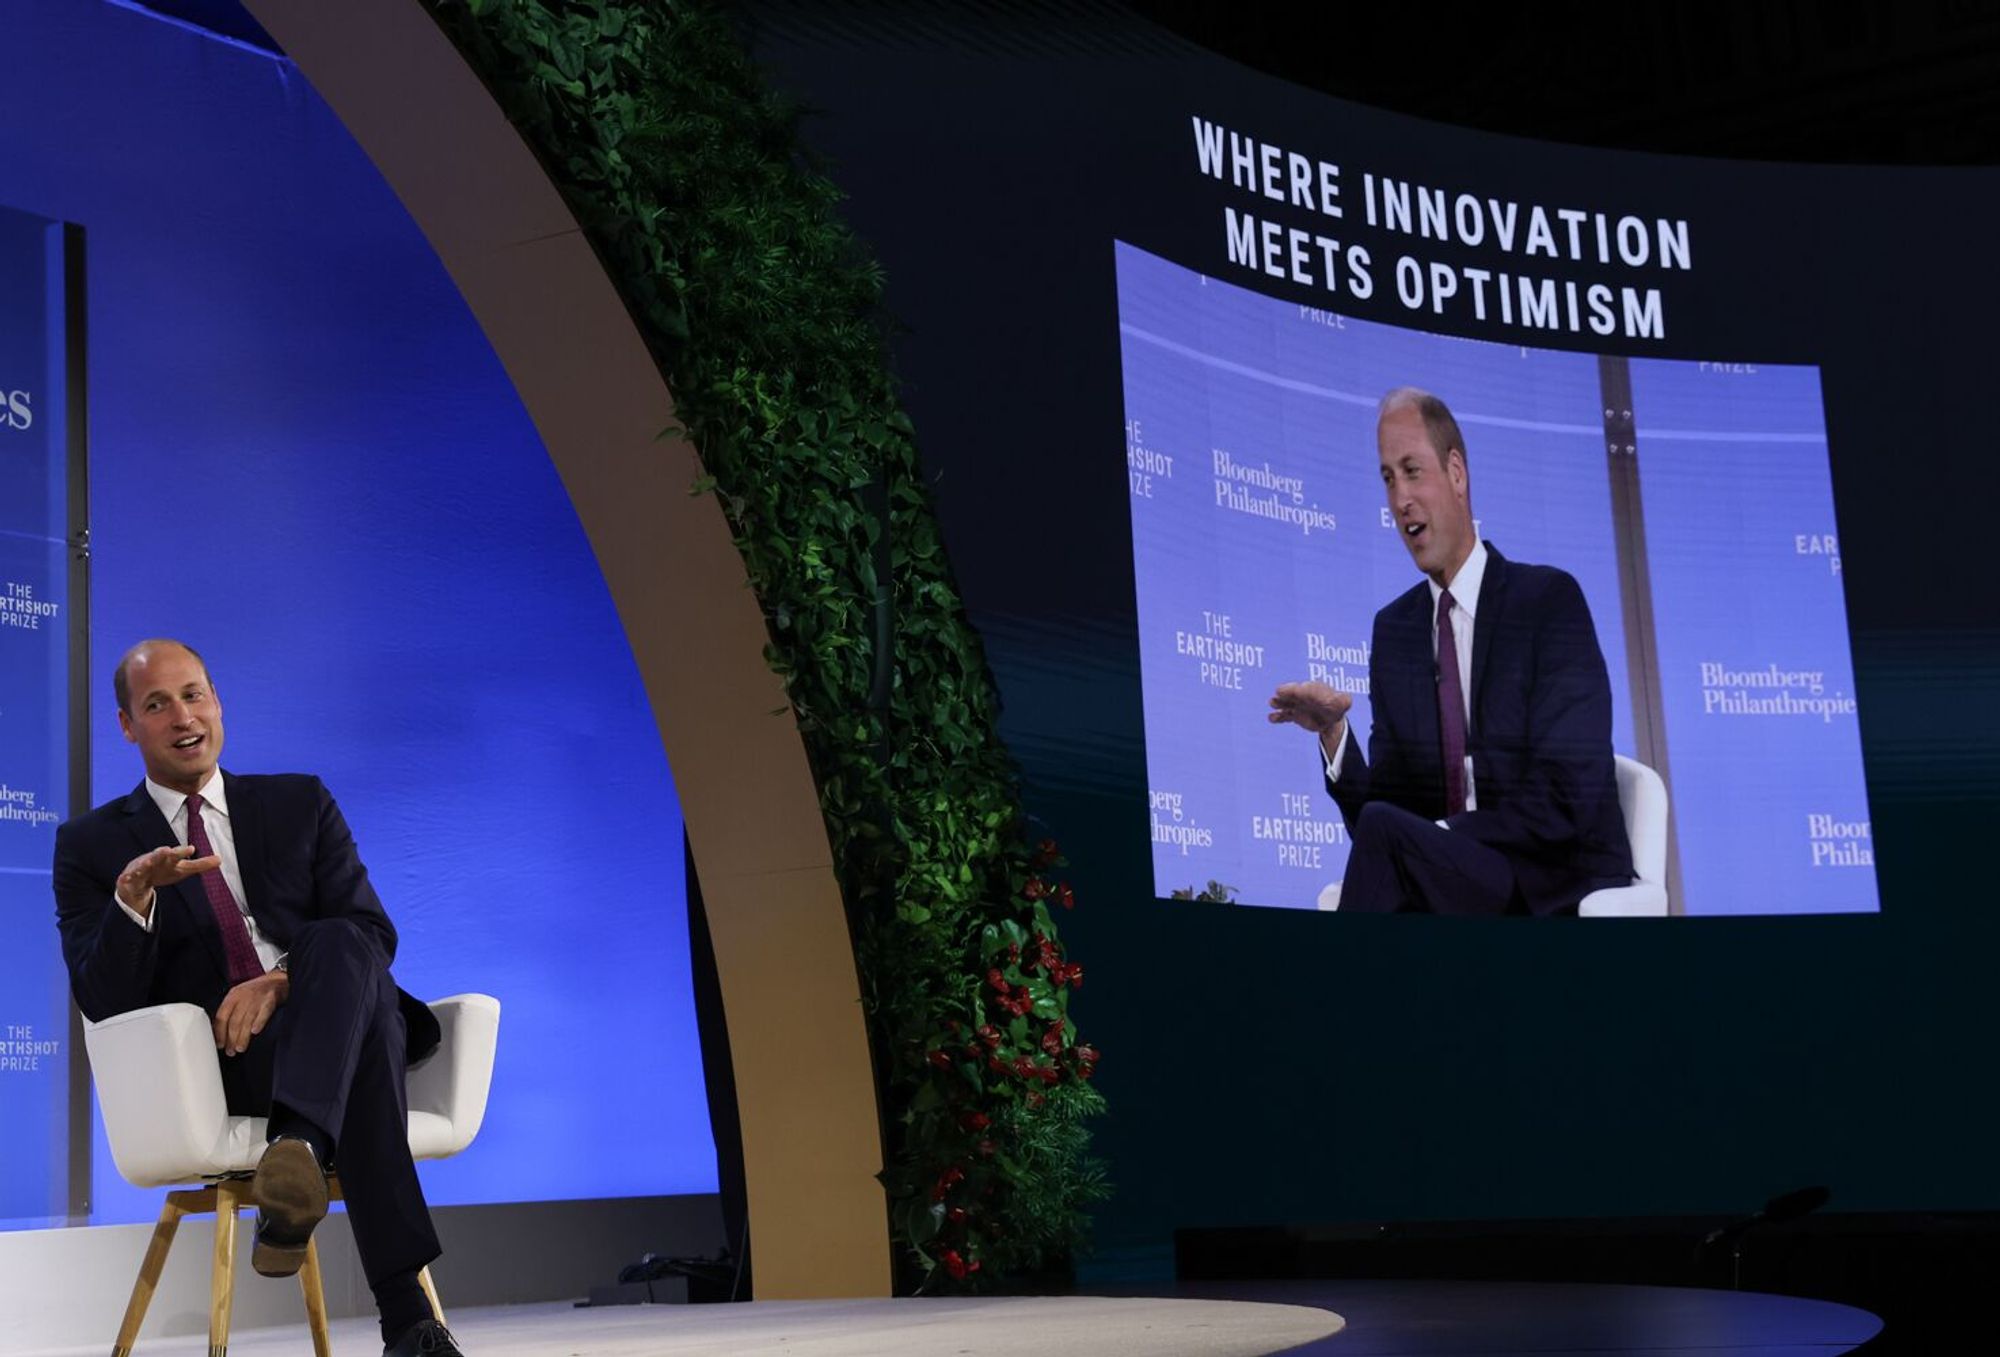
(1035, 889)
(988, 1033)
(1045, 853)
(975, 1121)
(1086, 1058)
(941, 1059)
(954, 1264)
(1052, 1039)
(947, 1180)
(1065, 896)
(1073, 975)
(956, 1215)
(997, 980)
(987, 1148)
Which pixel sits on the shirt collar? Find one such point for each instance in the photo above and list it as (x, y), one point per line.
(170, 801)
(1465, 584)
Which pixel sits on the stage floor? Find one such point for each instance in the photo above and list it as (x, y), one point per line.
(1232, 1319)
(1022, 1326)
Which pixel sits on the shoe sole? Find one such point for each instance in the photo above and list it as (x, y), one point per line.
(290, 1189)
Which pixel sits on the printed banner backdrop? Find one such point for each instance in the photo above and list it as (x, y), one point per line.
(34, 705)
(1263, 549)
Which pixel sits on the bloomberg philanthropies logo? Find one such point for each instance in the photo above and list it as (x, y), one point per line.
(17, 409)
(1839, 843)
(1769, 691)
(1171, 826)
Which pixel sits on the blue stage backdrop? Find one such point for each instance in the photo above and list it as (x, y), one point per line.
(306, 460)
(34, 707)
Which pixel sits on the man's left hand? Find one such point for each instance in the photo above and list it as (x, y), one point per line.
(247, 1008)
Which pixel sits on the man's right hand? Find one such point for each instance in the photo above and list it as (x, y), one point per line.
(1315, 706)
(161, 867)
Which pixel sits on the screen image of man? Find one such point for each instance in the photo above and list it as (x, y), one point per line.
(246, 895)
(1487, 786)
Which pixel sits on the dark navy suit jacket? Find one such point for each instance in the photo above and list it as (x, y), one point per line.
(1540, 737)
(298, 864)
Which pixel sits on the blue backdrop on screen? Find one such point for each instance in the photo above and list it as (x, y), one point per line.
(34, 703)
(306, 460)
(1262, 551)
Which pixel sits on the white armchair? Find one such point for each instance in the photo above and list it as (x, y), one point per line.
(1643, 798)
(165, 1117)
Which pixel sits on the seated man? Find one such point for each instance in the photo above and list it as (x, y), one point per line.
(1488, 786)
(245, 895)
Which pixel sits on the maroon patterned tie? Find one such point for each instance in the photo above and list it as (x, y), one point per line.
(236, 944)
(1451, 709)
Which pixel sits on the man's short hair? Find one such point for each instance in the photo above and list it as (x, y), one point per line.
(121, 687)
(1439, 426)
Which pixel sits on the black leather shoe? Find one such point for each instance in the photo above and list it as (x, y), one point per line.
(425, 1338)
(290, 1189)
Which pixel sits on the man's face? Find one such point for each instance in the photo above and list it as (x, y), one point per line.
(175, 718)
(1429, 499)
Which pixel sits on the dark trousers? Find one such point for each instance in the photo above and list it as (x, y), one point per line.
(1400, 862)
(334, 1054)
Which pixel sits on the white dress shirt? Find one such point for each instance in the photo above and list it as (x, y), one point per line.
(222, 838)
(1465, 605)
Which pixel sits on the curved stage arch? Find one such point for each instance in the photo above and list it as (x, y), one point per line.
(805, 1088)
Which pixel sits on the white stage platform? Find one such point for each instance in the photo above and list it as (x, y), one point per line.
(1026, 1326)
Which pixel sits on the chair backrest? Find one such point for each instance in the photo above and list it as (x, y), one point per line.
(1643, 798)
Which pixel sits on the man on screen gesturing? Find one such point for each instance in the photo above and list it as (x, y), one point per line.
(1488, 785)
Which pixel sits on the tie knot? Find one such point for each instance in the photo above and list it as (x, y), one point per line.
(194, 804)
(1445, 602)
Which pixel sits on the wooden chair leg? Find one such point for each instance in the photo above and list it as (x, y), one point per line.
(309, 1282)
(229, 1197)
(149, 1278)
(431, 1291)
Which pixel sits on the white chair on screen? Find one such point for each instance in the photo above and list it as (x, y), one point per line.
(164, 1114)
(1642, 796)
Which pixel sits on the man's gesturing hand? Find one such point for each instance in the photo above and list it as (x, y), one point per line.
(247, 1008)
(161, 867)
(1317, 707)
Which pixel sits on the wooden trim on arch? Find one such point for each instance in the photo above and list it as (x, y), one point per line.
(805, 1088)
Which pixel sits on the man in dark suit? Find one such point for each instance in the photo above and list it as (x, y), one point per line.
(1488, 786)
(245, 895)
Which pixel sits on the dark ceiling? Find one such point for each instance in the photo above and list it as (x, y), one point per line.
(1916, 82)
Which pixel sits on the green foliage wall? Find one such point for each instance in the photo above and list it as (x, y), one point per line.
(764, 315)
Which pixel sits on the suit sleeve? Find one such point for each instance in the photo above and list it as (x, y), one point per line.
(1384, 775)
(1569, 730)
(110, 958)
(341, 888)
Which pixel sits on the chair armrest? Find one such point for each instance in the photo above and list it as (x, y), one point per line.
(160, 1087)
(453, 1081)
(1641, 898)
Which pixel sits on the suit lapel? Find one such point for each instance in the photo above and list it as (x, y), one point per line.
(1487, 621)
(150, 830)
(246, 826)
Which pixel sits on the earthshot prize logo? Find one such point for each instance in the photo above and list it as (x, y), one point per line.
(1296, 835)
(1144, 465)
(22, 1052)
(1220, 659)
(20, 610)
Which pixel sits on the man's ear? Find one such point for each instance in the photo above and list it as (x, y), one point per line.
(125, 725)
(1455, 468)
